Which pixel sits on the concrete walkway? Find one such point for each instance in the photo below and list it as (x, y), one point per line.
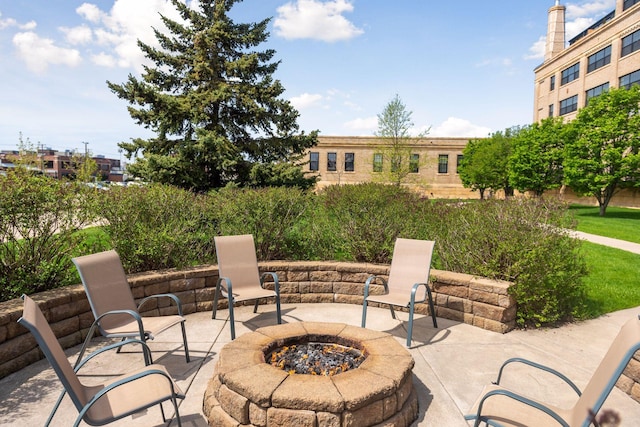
(453, 363)
(608, 241)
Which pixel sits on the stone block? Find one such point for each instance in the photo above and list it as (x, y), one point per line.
(234, 404)
(259, 392)
(633, 370)
(483, 296)
(321, 288)
(490, 312)
(450, 314)
(499, 287)
(279, 417)
(348, 299)
(453, 290)
(309, 392)
(370, 414)
(346, 288)
(316, 298)
(353, 277)
(324, 276)
(157, 288)
(327, 419)
(298, 276)
(361, 388)
(257, 415)
(218, 418)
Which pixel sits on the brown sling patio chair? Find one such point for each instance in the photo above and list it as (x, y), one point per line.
(499, 406)
(101, 404)
(408, 282)
(239, 278)
(114, 308)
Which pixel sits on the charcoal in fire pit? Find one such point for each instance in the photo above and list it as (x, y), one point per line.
(316, 358)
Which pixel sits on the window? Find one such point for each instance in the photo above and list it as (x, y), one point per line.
(596, 91)
(396, 162)
(552, 83)
(570, 74)
(414, 163)
(630, 79)
(314, 161)
(443, 163)
(349, 162)
(628, 3)
(550, 110)
(599, 59)
(631, 43)
(568, 105)
(458, 162)
(377, 162)
(332, 159)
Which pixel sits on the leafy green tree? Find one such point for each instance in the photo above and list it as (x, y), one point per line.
(535, 163)
(397, 162)
(604, 155)
(484, 163)
(211, 100)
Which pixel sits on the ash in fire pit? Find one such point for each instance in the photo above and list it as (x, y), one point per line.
(316, 358)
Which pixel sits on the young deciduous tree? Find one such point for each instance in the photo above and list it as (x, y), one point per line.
(398, 158)
(484, 163)
(535, 163)
(212, 102)
(604, 156)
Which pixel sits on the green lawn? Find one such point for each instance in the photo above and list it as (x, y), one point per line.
(613, 282)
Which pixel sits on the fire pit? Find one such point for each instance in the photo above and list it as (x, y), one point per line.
(377, 387)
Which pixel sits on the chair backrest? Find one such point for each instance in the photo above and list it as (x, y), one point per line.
(626, 343)
(106, 285)
(411, 264)
(33, 319)
(237, 260)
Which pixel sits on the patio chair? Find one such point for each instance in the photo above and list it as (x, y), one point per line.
(409, 274)
(101, 404)
(239, 278)
(498, 406)
(114, 308)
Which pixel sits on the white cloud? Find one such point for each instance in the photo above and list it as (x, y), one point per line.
(10, 22)
(90, 12)
(366, 124)
(77, 35)
(38, 53)
(456, 127)
(313, 19)
(306, 100)
(104, 60)
(589, 9)
(537, 50)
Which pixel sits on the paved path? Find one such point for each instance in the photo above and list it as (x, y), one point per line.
(608, 241)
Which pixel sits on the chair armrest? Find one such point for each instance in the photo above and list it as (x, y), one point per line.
(276, 282)
(372, 279)
(537, 366)
(172, 296)
(414, 289)
(118, 344)
(503, 392)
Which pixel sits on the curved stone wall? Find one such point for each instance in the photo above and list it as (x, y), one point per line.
(477, 301)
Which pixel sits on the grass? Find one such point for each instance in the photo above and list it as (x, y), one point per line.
(612, 283)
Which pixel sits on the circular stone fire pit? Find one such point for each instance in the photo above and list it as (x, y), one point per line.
(247, 390)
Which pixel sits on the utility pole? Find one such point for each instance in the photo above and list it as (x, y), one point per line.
(86, 152)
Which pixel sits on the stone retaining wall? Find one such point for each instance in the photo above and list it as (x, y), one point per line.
(477, 301)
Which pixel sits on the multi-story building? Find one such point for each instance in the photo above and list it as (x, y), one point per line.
(61, 164)
(603, 56)
(357, 159)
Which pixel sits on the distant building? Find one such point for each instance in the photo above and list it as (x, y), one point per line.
(61, 164)
(603, 56)
(358, 159)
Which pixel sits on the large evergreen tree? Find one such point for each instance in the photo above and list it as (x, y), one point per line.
(211, 101)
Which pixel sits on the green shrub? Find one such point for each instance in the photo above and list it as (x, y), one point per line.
(157, 226)
(364, 220)
(271, 215)
(521, 241)
(39, 222)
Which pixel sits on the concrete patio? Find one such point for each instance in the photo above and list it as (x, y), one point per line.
(452, 363)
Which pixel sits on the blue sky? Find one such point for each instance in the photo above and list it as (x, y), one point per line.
(463, 68)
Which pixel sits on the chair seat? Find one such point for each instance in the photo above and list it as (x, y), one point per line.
(253, 293)
(132, 396)
(152, 326)
(511, 413)
(401, 299)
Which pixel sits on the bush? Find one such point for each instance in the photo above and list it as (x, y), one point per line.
(157, 226)
(271, 215)
(521, 241)
(39, 222)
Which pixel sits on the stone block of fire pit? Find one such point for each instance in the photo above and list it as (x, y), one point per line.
(246, 389)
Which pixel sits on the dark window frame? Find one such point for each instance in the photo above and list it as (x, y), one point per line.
(349, 162)
(568, 105)
(414, 163)
(628, 3)
(551, 109)
(459, 158)
(443, 163)
(599, 59)
(332, 162)
(314, 161)
(630, 43)
(552, 83)
(627, 80)
(570, 74)
(595, 91)
(378, 162)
